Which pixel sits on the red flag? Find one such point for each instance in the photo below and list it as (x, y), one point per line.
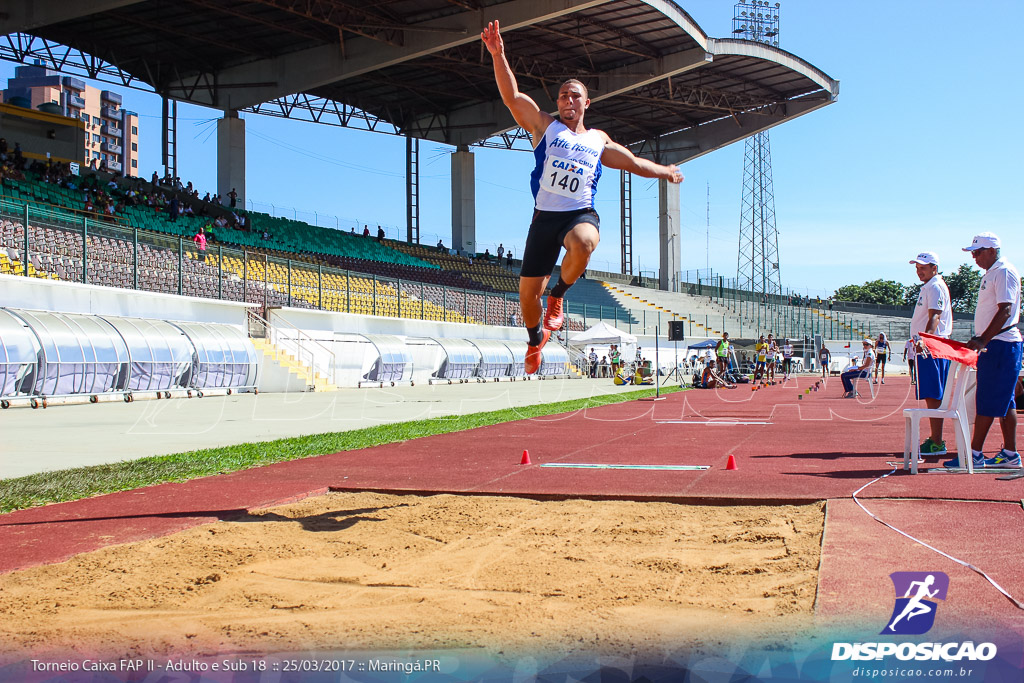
(947, 348)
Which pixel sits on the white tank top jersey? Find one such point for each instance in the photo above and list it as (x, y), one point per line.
(567, 169)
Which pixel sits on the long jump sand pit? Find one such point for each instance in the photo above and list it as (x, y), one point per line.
(502, 576)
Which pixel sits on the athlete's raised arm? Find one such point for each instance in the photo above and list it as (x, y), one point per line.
(617, 156)
(525, 111)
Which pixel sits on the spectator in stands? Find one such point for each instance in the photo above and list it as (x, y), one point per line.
(487, 255)
(19, 160)
(500, 252)
(564, 215)
(200, 241)
(512, 319)
(593, 362)
(172, 209)
(932, 315)
(233, 197)
(995, 327)
(859, 371)
(380, 234)
(508, 258)
(3, 149)
(366, 231)
(440, 245)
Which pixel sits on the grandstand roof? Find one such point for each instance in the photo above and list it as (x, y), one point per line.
(662, 85)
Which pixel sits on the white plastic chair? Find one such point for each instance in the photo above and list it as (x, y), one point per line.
(953, 407)
(857, 380)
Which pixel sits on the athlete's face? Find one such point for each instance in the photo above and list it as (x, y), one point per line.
(572, 102)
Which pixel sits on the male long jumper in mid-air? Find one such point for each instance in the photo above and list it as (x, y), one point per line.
(569, 159)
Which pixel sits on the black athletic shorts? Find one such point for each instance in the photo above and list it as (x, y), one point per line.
(545, 240)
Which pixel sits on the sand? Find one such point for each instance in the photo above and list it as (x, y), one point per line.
(502, 576)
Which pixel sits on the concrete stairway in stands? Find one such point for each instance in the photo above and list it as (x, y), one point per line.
(281, 368)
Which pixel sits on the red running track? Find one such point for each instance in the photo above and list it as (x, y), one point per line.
(790, 446)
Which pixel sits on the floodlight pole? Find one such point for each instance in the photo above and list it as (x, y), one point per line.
(757, 262)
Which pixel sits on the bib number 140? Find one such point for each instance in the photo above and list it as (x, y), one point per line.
(568, 184)
(566, 178)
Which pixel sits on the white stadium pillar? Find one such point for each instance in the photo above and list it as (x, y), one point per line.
(668, 234)
(231, 157)
(463, 200)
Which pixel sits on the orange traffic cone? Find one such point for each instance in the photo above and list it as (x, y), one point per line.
(526, 458)
(731, 464)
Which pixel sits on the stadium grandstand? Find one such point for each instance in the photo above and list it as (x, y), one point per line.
(324, 307)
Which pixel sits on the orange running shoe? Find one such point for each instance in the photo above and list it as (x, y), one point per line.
(553, 317)
(533, 353)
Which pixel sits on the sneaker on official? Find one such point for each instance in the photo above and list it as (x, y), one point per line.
(1004, 458)
(954, 464)
(929, 447)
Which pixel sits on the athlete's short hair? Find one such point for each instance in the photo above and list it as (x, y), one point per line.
(576, 81)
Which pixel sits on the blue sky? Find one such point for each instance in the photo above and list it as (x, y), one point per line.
(916, 154)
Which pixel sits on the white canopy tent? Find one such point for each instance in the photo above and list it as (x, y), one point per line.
(601, 334)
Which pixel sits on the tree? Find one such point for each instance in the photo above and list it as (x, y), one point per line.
(883, 292)
(963, 288)
(911, 293)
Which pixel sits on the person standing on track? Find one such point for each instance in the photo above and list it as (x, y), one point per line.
(882, 353)
(933, 314)
(569, 160)
(999, 344)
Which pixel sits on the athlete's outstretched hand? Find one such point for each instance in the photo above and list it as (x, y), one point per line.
(492, 38)
(677, 176)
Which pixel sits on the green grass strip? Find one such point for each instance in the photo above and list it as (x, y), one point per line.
(83, 482)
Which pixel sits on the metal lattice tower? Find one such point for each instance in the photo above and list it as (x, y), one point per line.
(757, 266)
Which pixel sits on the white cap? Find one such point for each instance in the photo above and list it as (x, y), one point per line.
(926, 258)
(985, 240)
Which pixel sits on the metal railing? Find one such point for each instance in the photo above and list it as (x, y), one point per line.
(291, 339)
(69, 246)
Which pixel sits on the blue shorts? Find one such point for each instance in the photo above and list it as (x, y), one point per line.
(998, 367)
(931, 377)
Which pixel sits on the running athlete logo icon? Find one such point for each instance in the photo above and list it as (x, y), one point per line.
(914, 612)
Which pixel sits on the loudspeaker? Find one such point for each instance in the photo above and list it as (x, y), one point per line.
(676, 330)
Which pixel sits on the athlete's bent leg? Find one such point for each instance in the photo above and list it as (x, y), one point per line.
(579, 243)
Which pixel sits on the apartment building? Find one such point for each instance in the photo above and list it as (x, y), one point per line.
(111, 132)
